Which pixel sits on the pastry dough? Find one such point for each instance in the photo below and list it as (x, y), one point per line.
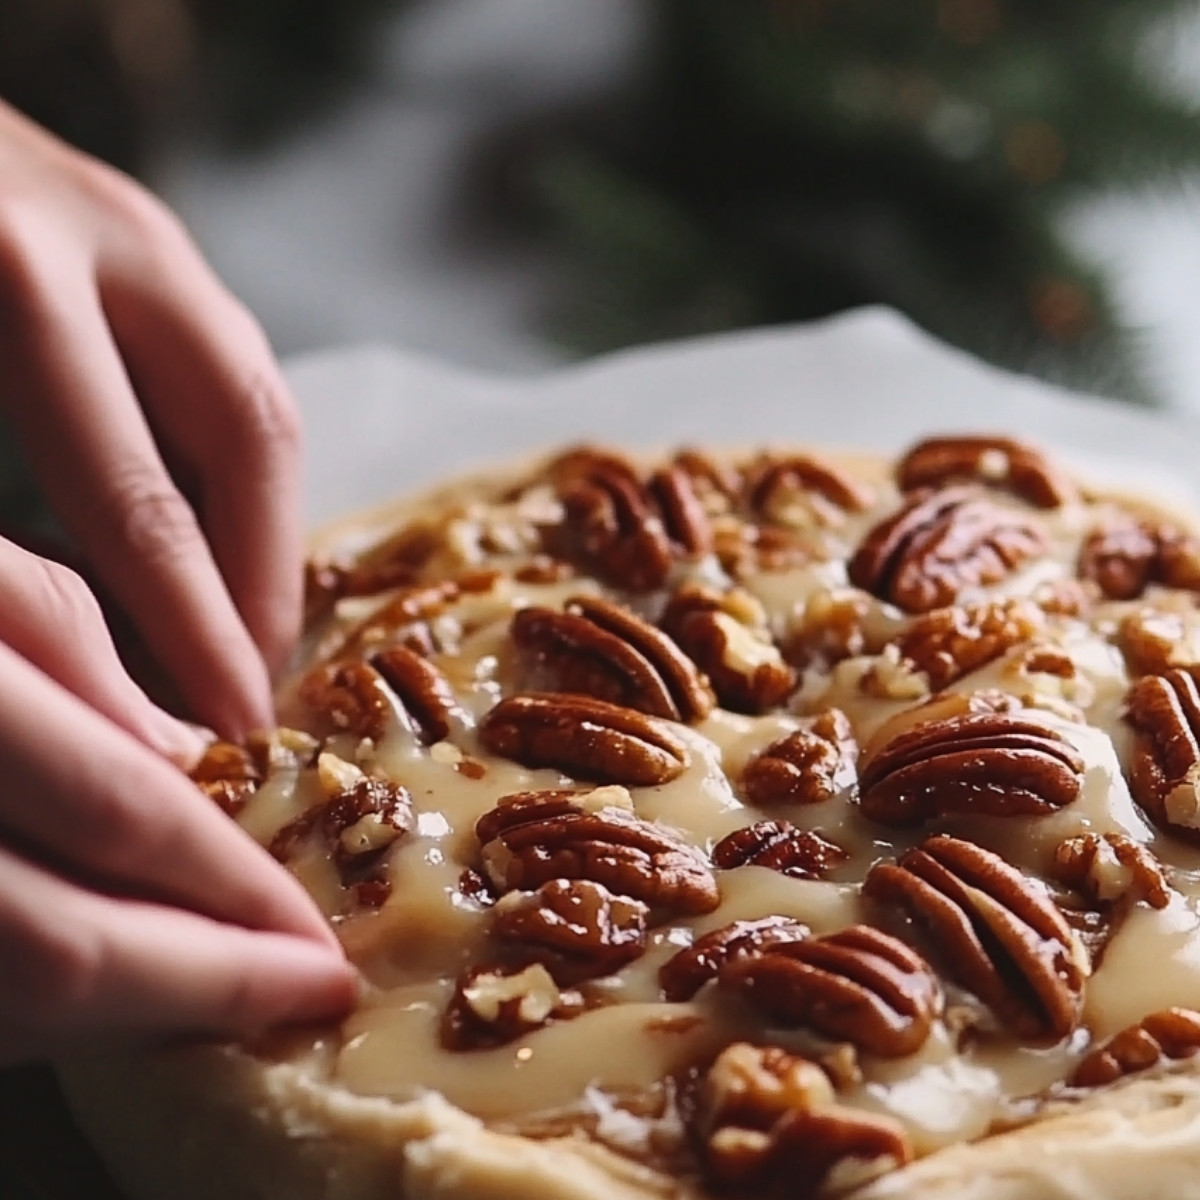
(794, 590)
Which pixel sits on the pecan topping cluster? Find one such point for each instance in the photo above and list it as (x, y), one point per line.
(863, 706)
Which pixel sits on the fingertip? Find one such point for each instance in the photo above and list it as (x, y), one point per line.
(298, 982)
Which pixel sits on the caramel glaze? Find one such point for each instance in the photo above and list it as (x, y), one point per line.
(413, 948)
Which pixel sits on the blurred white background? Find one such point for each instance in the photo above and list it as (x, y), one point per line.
(352, 231)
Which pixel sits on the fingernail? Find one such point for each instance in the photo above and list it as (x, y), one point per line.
(177, 741)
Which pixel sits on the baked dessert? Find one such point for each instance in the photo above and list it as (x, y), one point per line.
(766, 824)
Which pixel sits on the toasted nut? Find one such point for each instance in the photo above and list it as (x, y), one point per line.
(687, 971)
(893, 677)
(584, 929)
(769, 1124)
(530, 838)
(1164, 772)
(780, 846)
(405, 618)
(941, 544)
(348, 698)
(229, 775)
(996, 461)
(858, 985)
(801, 490)
(833, 626)
(949, 643)
(596, 648)
(727, 637)
(1109, 867)
(745, 549)
(996, 764)
(716, 484)
(1154, 641)
(424, 692)
(813, 764)
(588, 738)
(1172, 1033)
(997, 932)
(1128, 553)
(611, 525)
(683, 513)
(492, 1006)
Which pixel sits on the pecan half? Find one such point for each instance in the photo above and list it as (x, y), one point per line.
(858, 985)
(939, 545)
(583, 929)
(1164, 771)
(625, 532)
(687, 971)
(1128, 553)
(530, 838)
(424, 693)
(597, 648)
(997, 931)
(584, 737)
(769, 1125)
(801, 489)
(1109, 867)
(997, 461)
(814, 763)
(1172, 1033)
(492, 1006)
(782, 847)
(228, 774)
(948, 643)
(726, 635)
(999, 764)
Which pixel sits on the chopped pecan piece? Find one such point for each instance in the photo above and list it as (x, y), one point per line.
(687, 971)
(530, 838)
(1164, 772)
(1154, 641)
(1128, 553)
(597, 648)
(588, 738)
(583, 929)
(492, 1006)
(1109, 867)
(997, 461)
(997, 931)
(744, 548)
(948, 643)
(769, 1125)
(941, 544)
(801, 490)
(858, 985)
(782, 847)
(726, 635)
(229, 775)
(833, 626)
(812, 764)
(716, 484)
(997, 764)
(1172, 1033)
(407, 617)
(424, 692)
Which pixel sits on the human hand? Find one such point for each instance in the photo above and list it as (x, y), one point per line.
(128, 370)
(129, 905)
